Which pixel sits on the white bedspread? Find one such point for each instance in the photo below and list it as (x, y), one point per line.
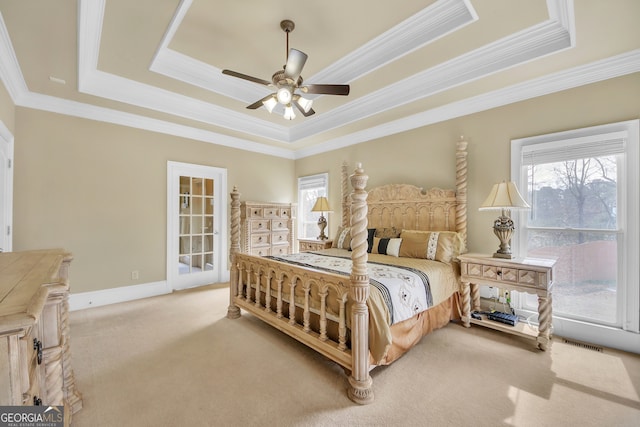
(406, 291)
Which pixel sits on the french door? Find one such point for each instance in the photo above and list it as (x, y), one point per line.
(196, 212)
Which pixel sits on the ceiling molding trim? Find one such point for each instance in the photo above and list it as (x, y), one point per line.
(532, 43)
(526, 45)
(10, 72)
(91, 112)
(142, 95)
(431, 23)
(90, 18)
(109, 86)
(178, 66)
(616, 66)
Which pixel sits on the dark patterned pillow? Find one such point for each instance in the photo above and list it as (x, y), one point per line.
(386, 246)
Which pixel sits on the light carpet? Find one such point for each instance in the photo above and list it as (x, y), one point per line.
(176, 360)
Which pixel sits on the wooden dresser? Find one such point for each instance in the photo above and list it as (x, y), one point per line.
(267, 228)
(35, 357)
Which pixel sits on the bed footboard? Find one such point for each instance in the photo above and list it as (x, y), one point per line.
(308, 305)
(305, 303)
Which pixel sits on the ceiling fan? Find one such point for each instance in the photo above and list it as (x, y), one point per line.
(287, 82)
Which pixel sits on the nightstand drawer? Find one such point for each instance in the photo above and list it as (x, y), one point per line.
(314, 244)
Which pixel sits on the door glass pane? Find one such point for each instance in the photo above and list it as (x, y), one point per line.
(196, 232)
(574, 219)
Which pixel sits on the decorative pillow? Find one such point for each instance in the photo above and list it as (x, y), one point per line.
(440, 246)
(343, 238)
(387, 233)
(386, 246)
(370, 234)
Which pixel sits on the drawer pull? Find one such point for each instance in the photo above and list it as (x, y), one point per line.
(37, 401)
(37, 345)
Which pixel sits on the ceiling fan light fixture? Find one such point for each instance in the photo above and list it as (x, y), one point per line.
(270, 103)
(305, 104)
(289, 114)
(284, 95)
(288, 81)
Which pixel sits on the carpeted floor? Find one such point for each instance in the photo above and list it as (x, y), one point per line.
(176, 360)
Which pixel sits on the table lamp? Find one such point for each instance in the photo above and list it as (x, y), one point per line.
(322, 206)
(504, 196)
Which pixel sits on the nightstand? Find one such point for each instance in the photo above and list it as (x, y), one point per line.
(530, 275)
(313, 244)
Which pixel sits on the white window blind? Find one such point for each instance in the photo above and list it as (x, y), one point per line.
(576, 148)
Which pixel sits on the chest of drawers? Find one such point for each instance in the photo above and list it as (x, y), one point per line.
(35, 357)
(267, 228)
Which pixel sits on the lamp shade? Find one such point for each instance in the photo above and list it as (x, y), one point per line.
(322, 205)
(504, 195)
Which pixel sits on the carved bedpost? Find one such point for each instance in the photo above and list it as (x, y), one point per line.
(360, 382)
(461, 189)
(345, 194)
(233, 312)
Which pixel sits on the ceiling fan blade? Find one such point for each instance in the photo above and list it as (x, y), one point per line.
(326, 89)
(246, 77)
(259, 103)
(304, 113)
(295, 63)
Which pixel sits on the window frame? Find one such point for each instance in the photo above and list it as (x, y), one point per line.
(628, 229)
(319, 181)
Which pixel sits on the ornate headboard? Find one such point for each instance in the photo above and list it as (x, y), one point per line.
(406, 206)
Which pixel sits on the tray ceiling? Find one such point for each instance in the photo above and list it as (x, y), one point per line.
(156, 64)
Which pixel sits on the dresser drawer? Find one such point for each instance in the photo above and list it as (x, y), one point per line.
(285, 213)
(264, 251)
(280, 238)
(255, 213)
(272, 212)
(263, 239)
(279, 224)
(33, 371)
(279, 249)
(260, 225)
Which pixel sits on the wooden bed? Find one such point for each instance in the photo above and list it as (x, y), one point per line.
(332, 313)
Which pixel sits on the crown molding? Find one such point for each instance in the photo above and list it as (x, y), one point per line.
(10, 73)
(109, 86)
(91, 112)
(428, 25)
(605, 69)
(543, 39)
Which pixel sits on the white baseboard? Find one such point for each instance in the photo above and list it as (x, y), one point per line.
(115, 295)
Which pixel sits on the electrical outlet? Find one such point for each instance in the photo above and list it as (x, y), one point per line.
(135, 275)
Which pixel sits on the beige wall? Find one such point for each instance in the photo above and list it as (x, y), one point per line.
(426, 156)
(7, 109)
(99, 190)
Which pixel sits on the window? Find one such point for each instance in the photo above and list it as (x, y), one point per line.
(582, 186)
(309, 189)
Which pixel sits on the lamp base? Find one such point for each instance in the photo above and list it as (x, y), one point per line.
(504, 256)
(503, 228)
(322, 224)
